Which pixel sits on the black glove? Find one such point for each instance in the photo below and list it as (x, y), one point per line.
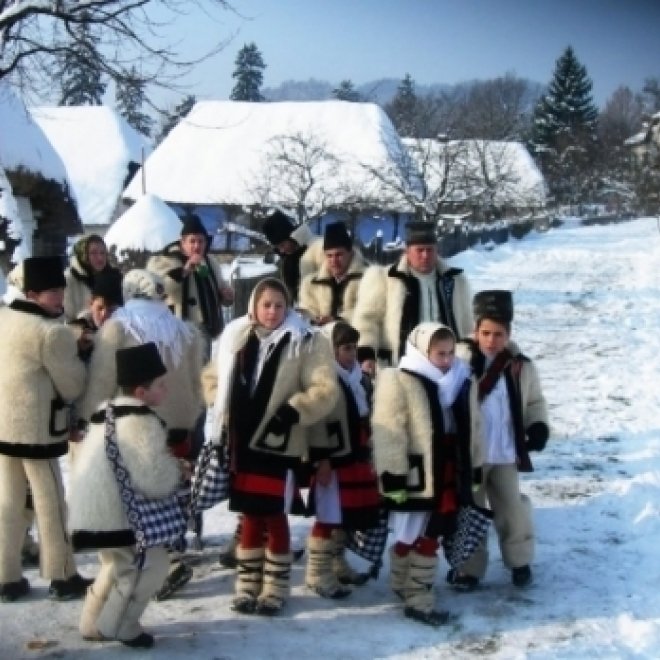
(537, 436)
(283, 419)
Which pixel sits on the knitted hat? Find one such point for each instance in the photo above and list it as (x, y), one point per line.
(140, 283)
(43, 273)
(495, 304)
(278, 227)
(344, 333)
(192, 224)
(420, 233)
(421, 335)
(107, 285)
(138, 365)
(337, 236)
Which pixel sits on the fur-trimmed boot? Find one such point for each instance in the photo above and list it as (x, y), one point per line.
(249, 579)
(276, 588)
(419, 598)
(344, 572)
(320, 576)
(399, 565)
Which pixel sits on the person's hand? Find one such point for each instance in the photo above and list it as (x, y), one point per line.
(193, 262)
(368, 367)
(322, 320)
(324, 473)
(397, 496)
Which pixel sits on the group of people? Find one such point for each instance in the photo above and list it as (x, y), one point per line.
(367, 388)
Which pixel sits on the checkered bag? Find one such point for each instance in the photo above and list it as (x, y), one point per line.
(471, 528)
(210, 481)
(154, 522)
(370, 543)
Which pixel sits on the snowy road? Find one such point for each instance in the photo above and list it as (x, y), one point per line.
(588, 310)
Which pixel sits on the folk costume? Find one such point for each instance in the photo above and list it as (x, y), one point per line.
(509, 419)
(284, 379)
(421, 445)
(43, 373)
(351, 500)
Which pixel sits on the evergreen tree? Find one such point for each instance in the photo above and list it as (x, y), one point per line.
(403, 108)
(80, 76)
(346, 92)
(130, 97)
(248, 74)
(171, 119)
(564, 133)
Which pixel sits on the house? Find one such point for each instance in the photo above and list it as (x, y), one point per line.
(43, 208)
(230, 160)
(645, 145)
(101, 152)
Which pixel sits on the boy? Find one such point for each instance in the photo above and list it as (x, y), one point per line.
(509, 419)
(122, 589)
(345, 492)
(421, 436)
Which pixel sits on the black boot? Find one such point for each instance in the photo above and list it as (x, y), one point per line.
(179, 575)
(461, 581)
(11, 591)
(433, 618)
(521, 576)
(69, 589)
(142, 641)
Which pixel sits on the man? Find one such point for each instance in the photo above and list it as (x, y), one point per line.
(420, 287)
(331, 292)
(194, 286)
(299, 250)
(41, 373)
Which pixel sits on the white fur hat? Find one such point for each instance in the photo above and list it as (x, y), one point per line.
(140, 283)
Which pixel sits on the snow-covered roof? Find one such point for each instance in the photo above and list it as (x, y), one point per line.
(148, 225)
(23, 144)
(513, 177)
(9, 208)
(233, 153)
(96, 145)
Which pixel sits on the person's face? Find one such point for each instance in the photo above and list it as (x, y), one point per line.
(441, 354)
(155, 394)
(492, 337)
(270, 309)
(97, 256)
(422, 258)
(338, 260)
(51, 300)
(193, 244)
(346, 355)
(287, 246)
(101, 310)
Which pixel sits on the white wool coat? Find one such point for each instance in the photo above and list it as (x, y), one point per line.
(315, 297)
(94, 496)
(378, 313)
(40, 368)
(77, 294)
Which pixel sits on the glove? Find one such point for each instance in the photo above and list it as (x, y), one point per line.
(397, 496)
(283, 419)
(537, 436)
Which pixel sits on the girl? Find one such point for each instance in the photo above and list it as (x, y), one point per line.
(421, 443)
(275, 377)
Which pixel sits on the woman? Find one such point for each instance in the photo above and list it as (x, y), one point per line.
(90, 257)
(275, 378)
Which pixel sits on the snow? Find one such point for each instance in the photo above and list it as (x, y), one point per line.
(148, 225)
(96, 145)
(9, 207)
(228, 152)
(588, 311)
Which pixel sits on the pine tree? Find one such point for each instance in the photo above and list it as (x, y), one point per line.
(130, 97)
(248, 74)
(346, 92)
(564, 134)
(171, 119)
(403, 109)
(80, 75)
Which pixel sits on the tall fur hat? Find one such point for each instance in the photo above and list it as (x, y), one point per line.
(420, 233)
(138, 365)
(192, 224)
(108, 285)
(140, 283)
(336, 236)
(495, 304)
(278, 227)
(43, 273)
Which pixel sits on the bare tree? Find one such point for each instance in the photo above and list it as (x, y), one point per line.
(35, 34)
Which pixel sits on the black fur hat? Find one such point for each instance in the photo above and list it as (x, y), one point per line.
(138, 365)
(192, 224)
(336, 236)
(108, 285)
(495, 304)
(43, 273)
(420, 233)
(278, 227)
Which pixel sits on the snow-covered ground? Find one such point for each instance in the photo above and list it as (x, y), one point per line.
(588, 310)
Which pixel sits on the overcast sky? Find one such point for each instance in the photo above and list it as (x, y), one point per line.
(443, 41)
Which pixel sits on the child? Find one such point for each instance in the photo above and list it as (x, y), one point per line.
(275, 378)
(345, 492)
(421, 436)
(122, 590)
(509, 419)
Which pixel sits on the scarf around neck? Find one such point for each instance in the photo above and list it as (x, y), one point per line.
(353, 380)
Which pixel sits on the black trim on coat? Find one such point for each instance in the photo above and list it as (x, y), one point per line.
(34, 452)
(337, 290)
(87, 540)
(30, 307)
